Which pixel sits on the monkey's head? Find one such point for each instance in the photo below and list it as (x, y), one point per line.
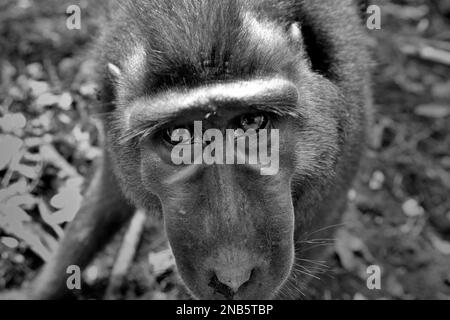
(218, 64)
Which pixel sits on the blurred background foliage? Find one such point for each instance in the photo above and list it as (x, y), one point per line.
(399, 210)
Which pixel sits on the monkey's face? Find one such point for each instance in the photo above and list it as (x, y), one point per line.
(228, 213)
(230, 221)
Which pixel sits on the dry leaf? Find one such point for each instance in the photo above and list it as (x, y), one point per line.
(11, 243)
(20, 187)
(441, 245)
(25, 201)
(353, 253)
(359, 297)
(162, 261)
(27, 171)
(51, 155)
(377, 180)
(48, 218)
(441, 90)
(47, 100)
(68, 201)
(13, 215)
(8, 71)
(12, 122)
(435, 111)
(38, 88)
(13, 221)
(35, 71)
(88, 89)
(65, 101)
(412, 208)
(10, 147)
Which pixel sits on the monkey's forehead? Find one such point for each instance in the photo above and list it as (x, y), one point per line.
(190, 42)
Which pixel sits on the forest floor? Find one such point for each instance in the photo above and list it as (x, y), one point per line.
(398, 216)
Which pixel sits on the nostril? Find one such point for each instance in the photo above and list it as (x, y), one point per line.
(221, 288)
(229, 282)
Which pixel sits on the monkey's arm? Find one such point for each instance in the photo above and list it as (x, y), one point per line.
(102, 214)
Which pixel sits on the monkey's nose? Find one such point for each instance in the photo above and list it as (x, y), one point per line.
(228, 281)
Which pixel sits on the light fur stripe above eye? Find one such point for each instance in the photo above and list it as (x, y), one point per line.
(135, 62)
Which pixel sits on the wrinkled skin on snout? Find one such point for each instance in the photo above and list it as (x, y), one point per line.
(231, 238)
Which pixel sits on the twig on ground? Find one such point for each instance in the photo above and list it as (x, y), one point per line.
(427, 52)
(126, 252)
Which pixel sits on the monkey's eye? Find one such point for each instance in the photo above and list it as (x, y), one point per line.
(255, 121)
(178, 135)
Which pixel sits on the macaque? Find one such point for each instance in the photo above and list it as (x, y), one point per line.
(296, 67)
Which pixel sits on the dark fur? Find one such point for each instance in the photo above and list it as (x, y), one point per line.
(190, 44)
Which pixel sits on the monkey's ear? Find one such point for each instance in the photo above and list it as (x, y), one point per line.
(297, 40)
(295, 34)
(114, 71)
